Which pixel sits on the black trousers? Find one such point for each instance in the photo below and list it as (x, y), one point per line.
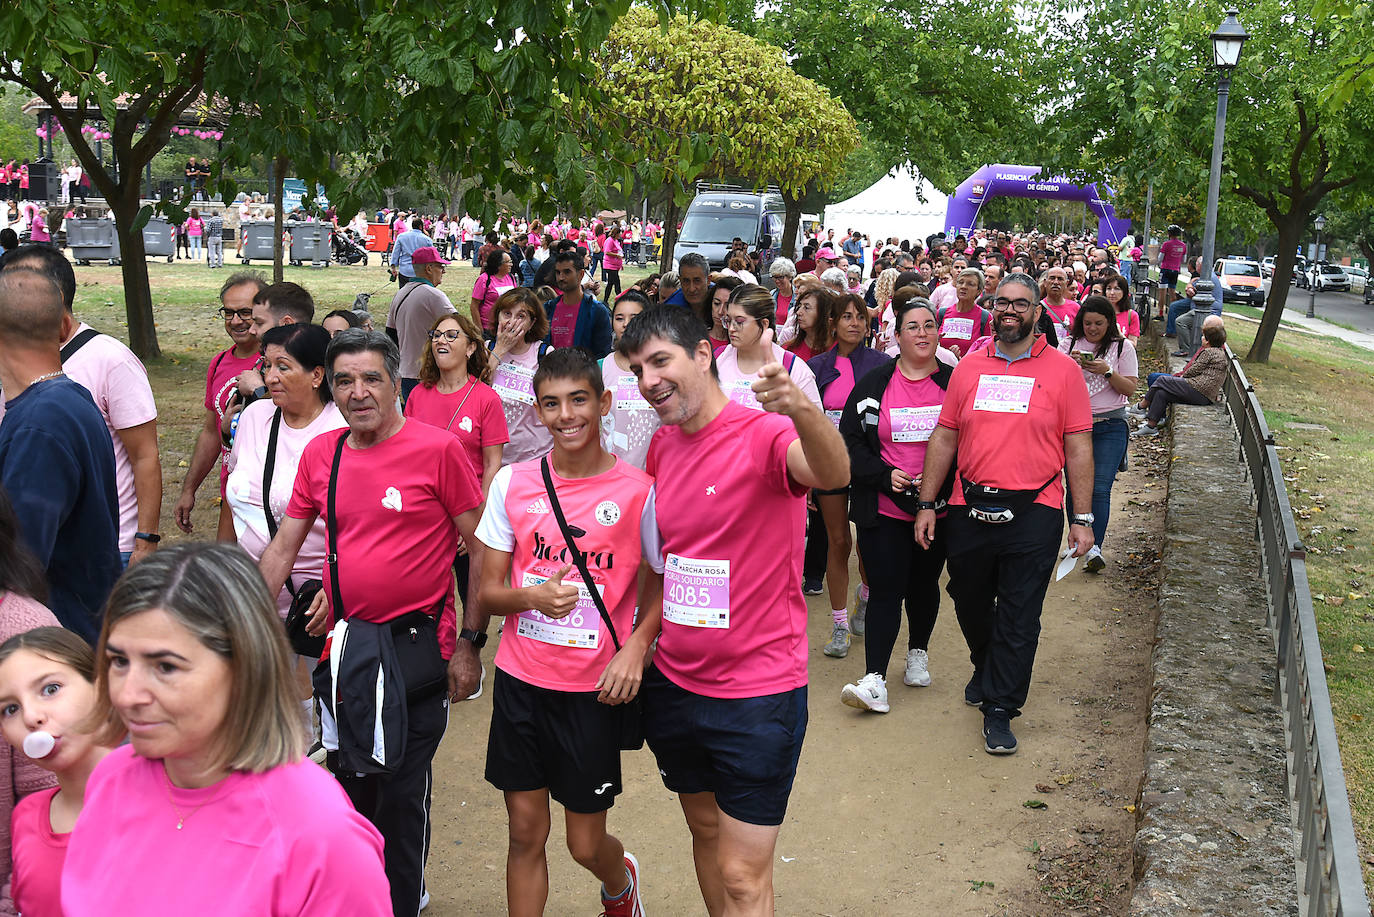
(998, 575)
(899, 570)
(817, 556)
(398, 803)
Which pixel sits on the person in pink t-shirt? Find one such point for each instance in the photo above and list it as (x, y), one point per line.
(725, 700)
(47, 690)
(221, 379)
(1055, 285)
(563, 673)
(212, 808)
(1171, 255)
(518, 327)
(1017, 413)
(404, 493)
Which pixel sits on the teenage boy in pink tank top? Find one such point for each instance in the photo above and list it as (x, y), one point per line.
(725, 699)
(561, 681)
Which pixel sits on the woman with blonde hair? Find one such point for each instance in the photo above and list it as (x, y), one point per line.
(212, 808)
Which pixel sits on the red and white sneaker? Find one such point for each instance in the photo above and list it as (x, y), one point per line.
(629, 904)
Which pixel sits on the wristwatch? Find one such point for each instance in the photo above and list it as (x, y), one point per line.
(260, 392)
(1107, 374)
(925, 504)
(1085, 519)
(476, 637)
(150, 537)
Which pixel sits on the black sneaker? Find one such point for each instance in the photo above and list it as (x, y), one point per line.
(973, 691)
(812, 587)
(997, 735)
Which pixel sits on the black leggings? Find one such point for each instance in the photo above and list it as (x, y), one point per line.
(899, 569)
(612, 281)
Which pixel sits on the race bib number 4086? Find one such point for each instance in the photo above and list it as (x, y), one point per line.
(1003, 394)
(696, 593)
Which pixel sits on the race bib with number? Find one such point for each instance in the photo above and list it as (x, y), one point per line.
(580, 628)
(627, 394)
(741, 392)
(514, 382)
(834, 417)
(961, 328)
(696, 593)
(1003, 394)
(914, 425)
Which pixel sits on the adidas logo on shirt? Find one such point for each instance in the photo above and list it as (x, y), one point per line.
(538, 507)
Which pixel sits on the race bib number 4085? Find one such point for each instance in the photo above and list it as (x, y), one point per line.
(696, 593)
(1003, 394)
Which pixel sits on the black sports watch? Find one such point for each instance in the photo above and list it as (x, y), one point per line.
(1107, 374)
(925, 504)
(150, 537)
(476, 637)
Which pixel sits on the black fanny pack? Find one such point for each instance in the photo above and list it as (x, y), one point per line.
(996, 505)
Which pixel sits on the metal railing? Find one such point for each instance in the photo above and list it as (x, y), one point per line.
(1330, 880)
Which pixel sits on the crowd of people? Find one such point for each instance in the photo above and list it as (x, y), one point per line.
(641, 487)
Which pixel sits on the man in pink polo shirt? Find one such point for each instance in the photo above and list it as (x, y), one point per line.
(1017, 414)
(725, 700)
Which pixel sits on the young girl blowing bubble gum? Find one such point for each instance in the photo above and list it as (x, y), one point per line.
(47, 689)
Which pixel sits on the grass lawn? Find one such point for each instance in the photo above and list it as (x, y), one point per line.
(185, 297)
(1319, 380)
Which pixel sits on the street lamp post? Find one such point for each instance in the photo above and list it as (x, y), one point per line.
(1227, 41)
(1318, 224)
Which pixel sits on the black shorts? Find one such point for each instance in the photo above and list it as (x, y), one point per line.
(744, 750)
(1168, 280)
(565, 741)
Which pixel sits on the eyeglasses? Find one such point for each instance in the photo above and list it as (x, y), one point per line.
(743, 322)
(230, 314)
(913, 327)
(451, 335)
(1019, 306)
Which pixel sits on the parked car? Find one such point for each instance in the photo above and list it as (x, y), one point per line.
(1239, 281)
(1359, 278)
(1267, 267)
(1324, 276)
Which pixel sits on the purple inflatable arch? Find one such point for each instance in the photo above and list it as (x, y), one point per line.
(1003, 180)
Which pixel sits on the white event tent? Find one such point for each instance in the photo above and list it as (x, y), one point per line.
(891, 207)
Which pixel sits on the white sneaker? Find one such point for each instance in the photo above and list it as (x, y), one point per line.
(869, 694)
(917, 669)
(1093, 560)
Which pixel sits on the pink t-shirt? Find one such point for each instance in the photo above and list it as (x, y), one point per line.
(118, 384)
(612, 254)
(784, 306)
(738, 385)
(513, 382)
(220, 379)
(1024, 408)
(36, 882)
(616, 510)
(473, 414)
(959, 329)
(733, 524)
(195, 226)
(1063, 315)
(564, 323)
(38, 230)
(487, 290)
(944, 296)
(244, 488)
(905, 421)
(1123, 361)
(278, 844)
(1129, 322)
(395, 505)
(627, 430)
(837, 392)
(1171, 255)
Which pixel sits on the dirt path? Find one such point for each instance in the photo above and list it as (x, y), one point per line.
(903, 813)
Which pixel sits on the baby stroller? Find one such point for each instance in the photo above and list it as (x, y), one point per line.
(348, 248)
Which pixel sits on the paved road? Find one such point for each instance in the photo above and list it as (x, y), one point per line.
(1345, 308)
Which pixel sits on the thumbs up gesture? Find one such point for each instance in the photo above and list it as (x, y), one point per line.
(553, 597)
(774, 388)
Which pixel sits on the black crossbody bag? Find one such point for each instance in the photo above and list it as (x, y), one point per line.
(997, 506)
(632, 713)
(301, 597)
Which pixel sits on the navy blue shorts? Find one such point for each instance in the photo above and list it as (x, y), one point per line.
(1168, 280)
(744, 750)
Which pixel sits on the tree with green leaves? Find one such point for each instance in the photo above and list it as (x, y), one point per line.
(1137, 99)
(696, 98)
(935, 83)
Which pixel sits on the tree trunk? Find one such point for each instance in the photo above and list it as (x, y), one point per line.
(278, 195)
(787, 248)
(665, 251)
(138, 298)
(1284, 260)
